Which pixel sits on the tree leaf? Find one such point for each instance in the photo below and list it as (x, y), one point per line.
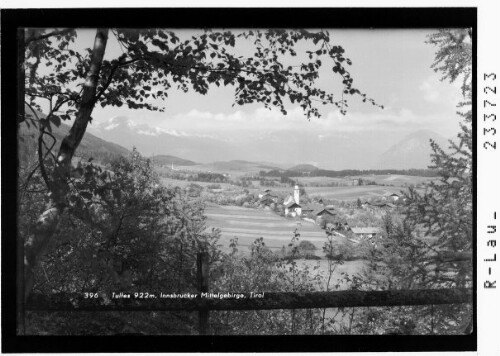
(86, 195)
(56, 120)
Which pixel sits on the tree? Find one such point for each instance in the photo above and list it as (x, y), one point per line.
(445, 209)
(153, 61)
(122, 226)
(432, 246)
(122, 230)
(255, 271)
(306, 246)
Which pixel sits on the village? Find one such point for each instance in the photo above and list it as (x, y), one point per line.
(328, 216)
(252, 211)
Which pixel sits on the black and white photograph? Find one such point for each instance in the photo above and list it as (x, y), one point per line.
(246, 180)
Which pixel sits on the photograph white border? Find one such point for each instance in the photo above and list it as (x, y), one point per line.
(488, 161)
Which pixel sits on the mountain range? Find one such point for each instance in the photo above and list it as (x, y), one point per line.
(268, 150)
(285, 148)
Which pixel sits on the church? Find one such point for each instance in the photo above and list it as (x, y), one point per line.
(292, 203)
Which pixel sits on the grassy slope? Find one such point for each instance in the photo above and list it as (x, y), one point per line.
(396, 180)
(249, 224)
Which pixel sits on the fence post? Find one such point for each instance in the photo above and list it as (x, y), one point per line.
(202, 273)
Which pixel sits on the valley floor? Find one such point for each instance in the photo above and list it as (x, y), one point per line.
(248, 224)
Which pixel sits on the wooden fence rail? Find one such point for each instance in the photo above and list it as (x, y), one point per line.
(203, 301)
(283, 300)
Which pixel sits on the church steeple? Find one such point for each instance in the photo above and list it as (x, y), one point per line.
(296, 194)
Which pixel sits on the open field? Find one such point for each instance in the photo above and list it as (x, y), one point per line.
(321, 180)
(234, 168)
(184, 183)
(352, 192)
(396, 180)
(249, 224)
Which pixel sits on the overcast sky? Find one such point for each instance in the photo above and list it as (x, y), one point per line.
(391, 66)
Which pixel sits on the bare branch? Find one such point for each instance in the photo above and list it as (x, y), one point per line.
(110, 77)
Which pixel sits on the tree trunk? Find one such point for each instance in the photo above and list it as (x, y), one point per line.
(40, 235)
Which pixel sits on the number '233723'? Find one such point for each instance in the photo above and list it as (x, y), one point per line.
(490, 116)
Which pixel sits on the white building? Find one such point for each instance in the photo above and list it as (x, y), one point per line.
(292, 204)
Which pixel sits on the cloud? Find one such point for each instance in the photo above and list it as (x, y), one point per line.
(155, 131)
(429, 90)
(233, 126)
(436, 91)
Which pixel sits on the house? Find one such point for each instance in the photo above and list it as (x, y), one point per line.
(266, 201)
(337, 224)
(268, 196)
(381, 205)
(318, 210)
(365, 232)
(391, 196)
(365, 204)
(265, 192)
(293, 209)
(394, 197)
(307, 209)
(323, 212)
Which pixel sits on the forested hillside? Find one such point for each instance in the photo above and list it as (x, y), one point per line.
(90, 147)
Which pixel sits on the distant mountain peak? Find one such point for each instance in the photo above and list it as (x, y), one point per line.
(413, 151)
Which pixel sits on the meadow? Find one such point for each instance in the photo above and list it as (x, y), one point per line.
(249, 224)
(170, 182)
(351, 193)
(397, 180)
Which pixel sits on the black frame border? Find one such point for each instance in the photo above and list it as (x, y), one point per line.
(336, 18)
